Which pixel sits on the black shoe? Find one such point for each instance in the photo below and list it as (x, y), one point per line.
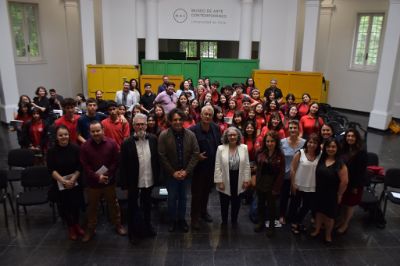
(150, 232)
(206, 217)
(134, 240)
(259, 227)
(184, 226)
(195, 226)
(172, 227)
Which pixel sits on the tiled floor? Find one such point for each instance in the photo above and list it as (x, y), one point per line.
(40, 242)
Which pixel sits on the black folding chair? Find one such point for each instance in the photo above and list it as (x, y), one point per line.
(392, 181)
(373, 160)
(18, 159)
(4, 195)
(36, 181)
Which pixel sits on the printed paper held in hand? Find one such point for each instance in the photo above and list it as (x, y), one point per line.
(66, 177)
(396, 195)
(102, 170)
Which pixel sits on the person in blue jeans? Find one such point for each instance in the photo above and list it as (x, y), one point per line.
(179, 153)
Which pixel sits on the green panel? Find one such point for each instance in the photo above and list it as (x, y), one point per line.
(189, 69)
(223, 81)
(228, 67)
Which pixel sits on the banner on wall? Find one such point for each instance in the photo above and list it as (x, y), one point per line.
(209, 20)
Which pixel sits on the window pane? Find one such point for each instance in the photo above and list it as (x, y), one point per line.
(192, 49)
(373, 46)
(16, 15)
(31, 17)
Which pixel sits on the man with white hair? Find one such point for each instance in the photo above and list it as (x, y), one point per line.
(139, 170)
(208, 138)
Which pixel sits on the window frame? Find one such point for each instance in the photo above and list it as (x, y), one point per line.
(364, 67)
(27, 59)
(198, 49)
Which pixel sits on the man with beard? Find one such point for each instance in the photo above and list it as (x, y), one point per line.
(139, 170)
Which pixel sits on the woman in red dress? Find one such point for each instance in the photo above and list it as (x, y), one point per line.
(304, 106)
(311, 123)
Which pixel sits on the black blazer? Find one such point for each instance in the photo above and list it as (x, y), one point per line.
(129, 164)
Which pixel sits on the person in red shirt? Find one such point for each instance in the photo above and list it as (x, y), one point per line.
(161, 118)
(272, 107)
(69, 119)
(34, 133)
(291, 114)
(114, 127)
(250, 85)
(275, 124)
(195, 107)
(290, 99)
(214, 92)
(188, 120)
(239, 96)
(231, 111)
(249, 136)
(219, 119)
(259, 118)
(304, 106)
(223, 103)
(256, 97)
(311, 123)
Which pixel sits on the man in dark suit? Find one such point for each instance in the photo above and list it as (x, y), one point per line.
(139, 171)
(208, 138)
(179, 152)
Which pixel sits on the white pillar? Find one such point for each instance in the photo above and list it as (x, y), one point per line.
(120, 44)
(278, 44)
(380, 115)
(88, 39)
(310, 35)
(74, 60)
(324, 35)
(8, 76)
(151, 30)
(246, 35)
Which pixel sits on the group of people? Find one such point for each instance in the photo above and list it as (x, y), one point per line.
(200, 136)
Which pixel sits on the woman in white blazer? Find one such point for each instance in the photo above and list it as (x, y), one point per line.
(232, 173)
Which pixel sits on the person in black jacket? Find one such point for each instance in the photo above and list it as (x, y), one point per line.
(208, 138)
(355, 157)
(139, 170)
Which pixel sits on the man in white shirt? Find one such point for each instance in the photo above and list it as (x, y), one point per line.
(126, 97)
(139, 169)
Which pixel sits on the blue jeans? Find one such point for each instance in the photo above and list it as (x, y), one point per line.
(176, 196)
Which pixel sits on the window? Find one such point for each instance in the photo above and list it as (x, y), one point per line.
(195, 48)
(208, 49)
(24, 20)
(367, 41)
(189, 47)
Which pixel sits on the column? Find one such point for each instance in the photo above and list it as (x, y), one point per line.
(88, 39)
(245, 39)
(73, 33)
(8, 76)
(278, 44)
(151, 43)
(380, 115)
(324, 35)
(120, 45)
(310, 35)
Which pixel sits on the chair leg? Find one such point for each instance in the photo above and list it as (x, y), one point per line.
(17, 211)
(384, 207)
(5, 212)
(11, 204)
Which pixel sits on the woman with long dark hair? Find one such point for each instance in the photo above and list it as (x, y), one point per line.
(312, 122)
(331, 182)
(355, 157)
(270, 170)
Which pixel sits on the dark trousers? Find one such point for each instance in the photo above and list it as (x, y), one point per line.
(234, 199)
(300, 205)
(284, 198)
(269, 198)
(139, 216)
(69, 204)
(201, 187)
(177, 198)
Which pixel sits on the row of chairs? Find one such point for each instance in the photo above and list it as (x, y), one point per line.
(34, 179)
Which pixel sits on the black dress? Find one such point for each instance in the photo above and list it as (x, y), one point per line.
(327, 185)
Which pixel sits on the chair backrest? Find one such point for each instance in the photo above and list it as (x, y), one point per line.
(20, 158)
(35, 176)
(3, 179)
(372, 159)
(392, 178)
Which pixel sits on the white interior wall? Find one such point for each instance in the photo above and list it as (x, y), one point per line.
(349, 89)
(53, 71)
(396, 90)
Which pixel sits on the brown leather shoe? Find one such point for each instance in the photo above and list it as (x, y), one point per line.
(121, 230)
(88, 235)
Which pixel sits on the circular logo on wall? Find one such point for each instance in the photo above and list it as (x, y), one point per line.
(180, 15)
